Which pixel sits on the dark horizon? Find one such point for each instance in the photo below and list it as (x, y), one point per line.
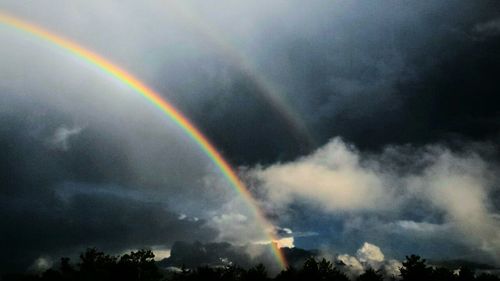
(141, 265)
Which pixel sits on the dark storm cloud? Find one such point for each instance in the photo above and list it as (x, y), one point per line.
(397, 72)
(244, 127)
(30, 151)
(227, 105)
(51, 227)
(45, 214)
(386, 69)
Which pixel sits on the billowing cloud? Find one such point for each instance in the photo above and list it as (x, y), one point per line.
(461, 187)
(332, 176)
(370, 253)
(369, 256)
(353, 265)
(454, 188)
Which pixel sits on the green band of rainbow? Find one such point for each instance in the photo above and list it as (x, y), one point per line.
(167, 108)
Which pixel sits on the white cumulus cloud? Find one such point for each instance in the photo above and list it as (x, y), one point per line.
(332, 177)
(370, 253)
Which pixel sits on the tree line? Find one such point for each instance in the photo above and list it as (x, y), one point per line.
(140, 266)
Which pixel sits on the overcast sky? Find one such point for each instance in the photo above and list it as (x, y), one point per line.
(351, 122)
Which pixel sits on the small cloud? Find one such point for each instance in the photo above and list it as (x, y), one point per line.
(305, 234)
(286, 242)
(369, 256)
(421, 227)
(234, 217)
(60, 139)
(392, 267)
(370, 253)
(226, 261)
(185, 217)
(283, 231)
(287, 237)
(487, 29)
(174, 269)
(231, 226)
(161, 254)
(41, 264)
(353, 265)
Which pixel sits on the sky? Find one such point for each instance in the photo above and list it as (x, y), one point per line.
(366, 130)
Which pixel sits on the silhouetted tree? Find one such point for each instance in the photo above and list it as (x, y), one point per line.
(309, 270)
(466, 274)
(233, 273)
(51, 275)
(256, 273)
(415, 269)
(370, 275)
(487, 277)
(443, 274)
(138, 265)
(95, 265)
(67, 271)
(329, 272)
(183, 275)
(323, 270)
(290, 274)
(207, 273)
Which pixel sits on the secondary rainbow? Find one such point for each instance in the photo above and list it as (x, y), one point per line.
(175, 115)
(266, 89)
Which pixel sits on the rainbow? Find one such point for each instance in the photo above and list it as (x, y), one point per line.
(157, 100)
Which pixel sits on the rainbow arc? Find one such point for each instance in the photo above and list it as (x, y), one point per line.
(159, 102)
